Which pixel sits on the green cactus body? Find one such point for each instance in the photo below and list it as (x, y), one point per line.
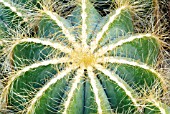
(82, 64)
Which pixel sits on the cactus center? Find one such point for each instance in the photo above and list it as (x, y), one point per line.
(83, 58)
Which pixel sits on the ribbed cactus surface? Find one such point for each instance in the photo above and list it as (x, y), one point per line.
(83, 63)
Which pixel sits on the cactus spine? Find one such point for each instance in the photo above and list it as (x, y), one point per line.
(81, 64)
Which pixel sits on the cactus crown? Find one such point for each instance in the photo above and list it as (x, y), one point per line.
(83, 63)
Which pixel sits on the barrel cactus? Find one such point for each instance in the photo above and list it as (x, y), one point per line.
(81, 63)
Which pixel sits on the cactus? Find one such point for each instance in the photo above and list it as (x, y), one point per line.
(81, 63)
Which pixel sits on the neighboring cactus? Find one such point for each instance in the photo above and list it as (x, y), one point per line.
(81, 64)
